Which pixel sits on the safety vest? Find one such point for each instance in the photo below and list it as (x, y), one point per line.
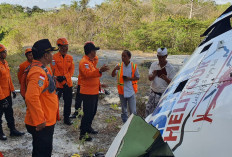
(120, 78)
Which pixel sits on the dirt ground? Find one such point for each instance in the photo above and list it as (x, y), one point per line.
(107, 120)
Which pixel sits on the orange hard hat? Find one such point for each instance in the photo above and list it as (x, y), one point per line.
(28, 50)
(2, 48)
(62, 41)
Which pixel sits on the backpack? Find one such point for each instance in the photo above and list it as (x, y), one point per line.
(23, 85)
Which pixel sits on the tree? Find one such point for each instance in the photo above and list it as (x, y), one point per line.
(75, 5)
(83, 4)
(37, 9)
(64, 6)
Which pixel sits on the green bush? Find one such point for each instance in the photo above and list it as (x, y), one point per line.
(115, 24)
(180, 35)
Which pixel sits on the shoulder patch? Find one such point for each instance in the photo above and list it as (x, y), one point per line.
(87, 66)
(53, 62)
(42, 77)
(40, 83)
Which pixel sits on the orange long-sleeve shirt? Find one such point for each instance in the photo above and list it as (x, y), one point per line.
(21, 69)
(63, 67)
(6, 85)
(95, 61)
(90, 76)
(41, 107)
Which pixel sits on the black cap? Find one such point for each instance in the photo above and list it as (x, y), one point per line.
(42, 46)
(90, 46)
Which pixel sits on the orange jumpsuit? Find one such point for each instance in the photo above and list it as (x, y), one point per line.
(6, 85)
(89, 89)
(41, 107)
(78, 99)
(21, 69)
(95, 61)
(90, 76)
(63, 67)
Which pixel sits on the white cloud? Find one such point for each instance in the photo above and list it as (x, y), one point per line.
(223, 1)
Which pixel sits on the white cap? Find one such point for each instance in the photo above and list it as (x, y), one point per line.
(162, 51)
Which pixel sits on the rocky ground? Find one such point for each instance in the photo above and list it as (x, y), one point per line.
(107, 120)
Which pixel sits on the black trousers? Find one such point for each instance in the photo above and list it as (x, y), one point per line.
(67, 97)
(9, 115)
(90, 103)
(41, 141)
(78, 99)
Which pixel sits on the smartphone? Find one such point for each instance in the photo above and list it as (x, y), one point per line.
(162, 71)
(124, 77)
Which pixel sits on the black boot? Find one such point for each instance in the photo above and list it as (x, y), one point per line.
(67, 121)
(92, 131)
(2, 135)
(15, 132)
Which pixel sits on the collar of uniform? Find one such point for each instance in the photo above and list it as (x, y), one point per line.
(87, 57)
(3, 63)
(29, 62)
(60, 54)
(36, 61)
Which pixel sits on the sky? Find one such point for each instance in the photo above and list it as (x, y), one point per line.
(46, 3)
(223, 1)
(56, 3)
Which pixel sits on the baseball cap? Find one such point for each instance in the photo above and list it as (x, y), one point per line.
(89, 42)
(42, 46)
(2, 48)
(162, 51)
(28, 50)
(90, 46)
(62, 41)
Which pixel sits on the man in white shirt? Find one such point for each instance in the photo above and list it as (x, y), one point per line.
(160, 73)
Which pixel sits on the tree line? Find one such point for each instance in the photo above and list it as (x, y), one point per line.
(115, 24)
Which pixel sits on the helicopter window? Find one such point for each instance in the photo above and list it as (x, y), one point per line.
(206, 48)
(181, 86)
(217, 29)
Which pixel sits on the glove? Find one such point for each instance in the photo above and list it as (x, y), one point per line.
(60, 78)
(4, 103)
(14, 94)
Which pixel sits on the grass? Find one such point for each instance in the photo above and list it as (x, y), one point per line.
(76, 49)
(14, 60)
(92, 150)
(114, 107)
(77, 120)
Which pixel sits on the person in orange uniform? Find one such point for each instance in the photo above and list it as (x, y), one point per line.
(24, 65)
(78, 99)
(89, 89)
(63, 68)
(6, 88)
(41, 100)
